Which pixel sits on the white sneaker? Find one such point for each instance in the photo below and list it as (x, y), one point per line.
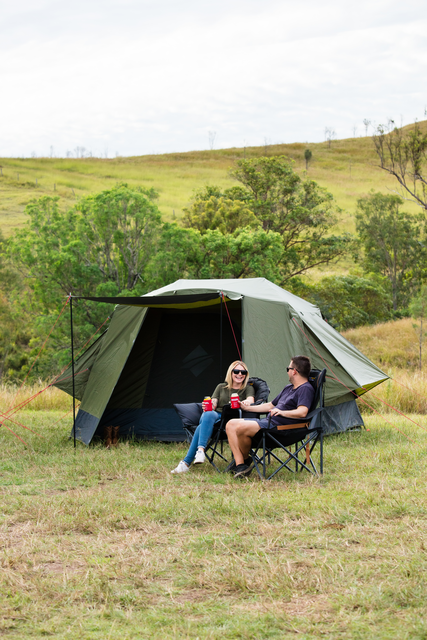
(181, 468)
(200, 456)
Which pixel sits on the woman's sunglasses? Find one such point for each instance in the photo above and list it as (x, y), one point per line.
(239, 372)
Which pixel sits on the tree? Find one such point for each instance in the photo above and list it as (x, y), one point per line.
(106, 238)
(366, 122)
(329, 135)
(393, 242)
(100, 247)
(211, 209)
(299, 210)
(418, 310)
(190, 253)
(307, 155)
(14, 322)
(403, 154)
(349, 301)
(120, 227)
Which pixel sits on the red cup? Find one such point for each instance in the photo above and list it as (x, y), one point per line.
(207, 403)
(235, 401)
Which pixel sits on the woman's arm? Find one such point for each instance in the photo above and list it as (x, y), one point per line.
(258, 408)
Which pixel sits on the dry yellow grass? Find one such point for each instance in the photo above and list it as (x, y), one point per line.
(405, 392)
(43, 399)
(393, 346)
(389, 344)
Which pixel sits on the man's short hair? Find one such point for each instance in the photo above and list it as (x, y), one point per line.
(303, 365)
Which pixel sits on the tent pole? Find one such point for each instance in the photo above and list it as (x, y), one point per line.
(220, 339)
(72, 369)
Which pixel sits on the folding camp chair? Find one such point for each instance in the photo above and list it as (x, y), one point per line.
(190, 415)
(304, 435)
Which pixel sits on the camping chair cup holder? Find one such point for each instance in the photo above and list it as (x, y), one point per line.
(268, 445)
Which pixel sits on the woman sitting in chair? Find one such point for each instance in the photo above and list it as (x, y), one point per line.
(236, 381)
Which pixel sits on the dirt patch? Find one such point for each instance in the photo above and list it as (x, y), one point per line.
(58, 567)
(194, 595)
(315, 606)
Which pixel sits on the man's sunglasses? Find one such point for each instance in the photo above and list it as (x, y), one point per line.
(291, 369)
(239, 372)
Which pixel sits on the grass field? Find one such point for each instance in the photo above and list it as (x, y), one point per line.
(100, 544)
(348, 169)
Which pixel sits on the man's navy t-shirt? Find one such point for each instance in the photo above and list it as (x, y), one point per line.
(291, 398)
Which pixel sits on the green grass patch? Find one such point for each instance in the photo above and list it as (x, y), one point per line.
(100, 544)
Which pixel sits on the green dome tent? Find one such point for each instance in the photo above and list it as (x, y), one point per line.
(174, 345)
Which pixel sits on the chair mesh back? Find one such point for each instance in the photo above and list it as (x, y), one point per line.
(261, 390)
(317, 378)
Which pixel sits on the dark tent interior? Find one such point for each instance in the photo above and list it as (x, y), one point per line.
(178, 356)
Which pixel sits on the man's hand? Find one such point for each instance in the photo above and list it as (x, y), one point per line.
(276, 412)
(300, 412)
(246, 403)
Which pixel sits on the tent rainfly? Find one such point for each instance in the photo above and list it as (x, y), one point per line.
(175, 344)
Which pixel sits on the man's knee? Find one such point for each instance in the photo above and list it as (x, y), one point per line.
(232, 425)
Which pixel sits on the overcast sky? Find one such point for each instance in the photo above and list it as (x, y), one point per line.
(132, 77)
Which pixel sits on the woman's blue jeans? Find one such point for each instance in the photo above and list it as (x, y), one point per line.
(202, 434)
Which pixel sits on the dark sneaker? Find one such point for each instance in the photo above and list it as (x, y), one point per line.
(231, 467)
(243, 470)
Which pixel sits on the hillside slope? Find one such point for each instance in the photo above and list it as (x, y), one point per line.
(389, 344)
(348, 168)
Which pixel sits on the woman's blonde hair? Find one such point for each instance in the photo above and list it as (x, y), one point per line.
(229, 379)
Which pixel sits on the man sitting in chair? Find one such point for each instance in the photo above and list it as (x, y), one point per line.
(289, 407)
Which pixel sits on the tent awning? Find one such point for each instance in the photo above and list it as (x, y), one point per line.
(191, 301)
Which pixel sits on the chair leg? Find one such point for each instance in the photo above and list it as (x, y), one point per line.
(321, 453)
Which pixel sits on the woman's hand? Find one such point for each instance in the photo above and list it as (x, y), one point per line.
(214, 402)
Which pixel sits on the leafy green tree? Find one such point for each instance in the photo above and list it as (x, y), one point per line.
(349, 301)
(188, 253)
(300, 211)
(393, 242)
(120, 227)
(101, 247)
(307, 156)
(15, 331)
(418, 310)
(246, 253)
(107, 238)
(179, 255)
(210, 211)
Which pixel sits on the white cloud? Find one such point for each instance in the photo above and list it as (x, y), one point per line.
(144, 76)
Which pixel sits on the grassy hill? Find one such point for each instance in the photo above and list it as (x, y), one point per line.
(348, 168)
(389, 344)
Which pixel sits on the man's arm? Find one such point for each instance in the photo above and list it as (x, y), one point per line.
(300, 412)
